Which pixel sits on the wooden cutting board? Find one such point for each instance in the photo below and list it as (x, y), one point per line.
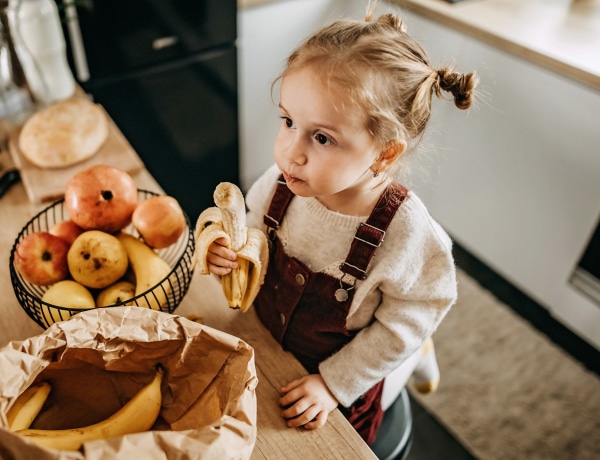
(44, 185)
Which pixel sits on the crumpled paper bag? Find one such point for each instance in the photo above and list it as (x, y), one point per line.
(97, 360)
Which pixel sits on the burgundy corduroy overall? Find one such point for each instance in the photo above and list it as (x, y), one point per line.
(306, 311)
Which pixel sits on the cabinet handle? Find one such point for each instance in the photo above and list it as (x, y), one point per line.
(164, 42)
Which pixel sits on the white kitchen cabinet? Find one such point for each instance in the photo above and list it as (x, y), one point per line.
(516, 180)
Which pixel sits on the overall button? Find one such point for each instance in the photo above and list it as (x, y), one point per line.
(282, 317)
(300, 279)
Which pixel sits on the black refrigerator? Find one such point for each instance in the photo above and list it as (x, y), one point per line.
(166, 72)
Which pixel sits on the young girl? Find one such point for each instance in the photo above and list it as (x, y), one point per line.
(359, 274)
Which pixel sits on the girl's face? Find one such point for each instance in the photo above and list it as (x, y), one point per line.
(323, 147)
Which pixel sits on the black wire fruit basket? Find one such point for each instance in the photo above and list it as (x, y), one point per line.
(179, 256)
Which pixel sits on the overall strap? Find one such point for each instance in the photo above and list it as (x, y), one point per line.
(279, 203)
(370, 234)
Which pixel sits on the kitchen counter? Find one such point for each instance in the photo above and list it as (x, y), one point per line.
(336, 440)
(250, 3)
(561, 35)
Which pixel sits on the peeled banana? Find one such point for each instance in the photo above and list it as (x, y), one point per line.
(149, 269)
(139, 414)
(28, 405)
(228, 220)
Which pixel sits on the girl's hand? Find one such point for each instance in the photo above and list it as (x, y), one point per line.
(220, 259)
(307, 402)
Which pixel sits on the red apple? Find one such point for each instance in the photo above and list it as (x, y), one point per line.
(159, 220)
(67, 230)
(41, 258)
(102, 198)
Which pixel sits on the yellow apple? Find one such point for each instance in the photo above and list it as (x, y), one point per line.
(66, 294)
(97, 259)
(115, 293)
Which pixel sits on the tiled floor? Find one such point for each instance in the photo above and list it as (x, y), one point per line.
(431, 440)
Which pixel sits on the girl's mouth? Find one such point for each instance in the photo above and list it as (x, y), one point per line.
(290, 179)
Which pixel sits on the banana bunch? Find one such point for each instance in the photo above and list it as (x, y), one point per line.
(139, 414)
(228, 220)
(27, 406)
(149, 269)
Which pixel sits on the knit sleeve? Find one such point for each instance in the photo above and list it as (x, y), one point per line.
(413, 302)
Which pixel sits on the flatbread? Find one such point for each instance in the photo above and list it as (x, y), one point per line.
(63, 134)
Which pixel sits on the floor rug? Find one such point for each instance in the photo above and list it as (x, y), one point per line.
(506, 391)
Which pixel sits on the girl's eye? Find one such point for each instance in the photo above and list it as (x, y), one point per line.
(323, 139)
(288, 122)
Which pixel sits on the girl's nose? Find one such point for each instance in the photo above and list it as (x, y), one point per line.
(296, 150)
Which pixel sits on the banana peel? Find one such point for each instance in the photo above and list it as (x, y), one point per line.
(228, 220)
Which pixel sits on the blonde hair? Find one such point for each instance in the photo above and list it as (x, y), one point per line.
(384, 71)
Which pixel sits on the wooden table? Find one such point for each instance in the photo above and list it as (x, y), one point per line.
(336, 440)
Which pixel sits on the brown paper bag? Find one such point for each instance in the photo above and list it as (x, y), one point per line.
(99, 359)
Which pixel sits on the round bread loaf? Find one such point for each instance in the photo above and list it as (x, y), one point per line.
(65, 133)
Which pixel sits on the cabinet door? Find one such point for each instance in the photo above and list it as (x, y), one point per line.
(128, 35)
(182, 120)
(515, 179)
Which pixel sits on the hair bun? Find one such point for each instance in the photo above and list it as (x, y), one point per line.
(392, 20)
(460, 85)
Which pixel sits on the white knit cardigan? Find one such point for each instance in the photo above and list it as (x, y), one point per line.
(411, 281)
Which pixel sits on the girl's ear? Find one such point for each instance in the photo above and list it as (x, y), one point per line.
(388, 156)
